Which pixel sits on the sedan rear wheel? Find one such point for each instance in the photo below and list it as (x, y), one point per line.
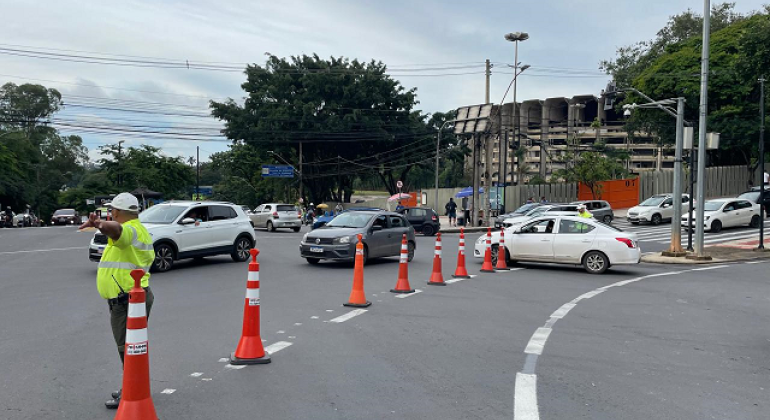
(716, 226)
(164, 258)
(596, 262)
(656, 219)
(494, 252)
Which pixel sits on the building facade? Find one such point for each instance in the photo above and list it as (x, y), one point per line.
(549, 127)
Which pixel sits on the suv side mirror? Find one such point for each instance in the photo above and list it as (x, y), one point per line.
(187, 221)
(375, 228)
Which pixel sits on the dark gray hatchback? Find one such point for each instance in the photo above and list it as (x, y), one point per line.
(381, 230)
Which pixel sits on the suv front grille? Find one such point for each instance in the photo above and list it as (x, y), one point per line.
(100, 239)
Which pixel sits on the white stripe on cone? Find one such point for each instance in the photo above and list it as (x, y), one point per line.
(136, 336)
(252, 293)
(253, 276)
(137, 310)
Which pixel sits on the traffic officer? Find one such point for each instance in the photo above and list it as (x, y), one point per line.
(582, 212)
(129, 247)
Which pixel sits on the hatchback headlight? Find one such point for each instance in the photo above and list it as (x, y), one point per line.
(343, 240)
(304, 238)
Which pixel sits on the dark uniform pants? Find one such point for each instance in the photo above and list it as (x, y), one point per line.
(118, 317)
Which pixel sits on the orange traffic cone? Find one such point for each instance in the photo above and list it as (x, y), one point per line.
(402, 285)
(487, 266)
(436, 278)
(250, 350)
(357, 297)
(136, 402)
(501, 265)
(461, 272)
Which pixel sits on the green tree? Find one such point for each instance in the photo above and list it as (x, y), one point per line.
(147, 167)
(351, 117)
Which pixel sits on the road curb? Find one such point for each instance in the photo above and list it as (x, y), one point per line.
(656, 258)
(466, 230)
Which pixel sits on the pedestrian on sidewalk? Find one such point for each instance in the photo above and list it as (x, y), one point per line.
(530, 200)
(543, 200)
(451, 211)
(129, 247)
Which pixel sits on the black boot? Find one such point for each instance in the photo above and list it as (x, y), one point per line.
(113, 403)
(117, 394)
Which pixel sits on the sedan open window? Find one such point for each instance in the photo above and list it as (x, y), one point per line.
(573, 226)
(541, 226)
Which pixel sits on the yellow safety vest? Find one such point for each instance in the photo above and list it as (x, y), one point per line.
(131, 251)
(585, 215)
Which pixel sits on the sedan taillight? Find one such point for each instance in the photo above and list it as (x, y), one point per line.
(275, 215)
(629, 243)
(434, 218)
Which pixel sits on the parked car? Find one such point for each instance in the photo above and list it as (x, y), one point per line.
(656, 209)
(381, 230)
(540, 210)
(26, 219)
(726, 212)
(423, 219)
(65, 217)
(272, 216)
(601, 210)
(754, 196)
(568, 240)
(190, 229)
(519, 211)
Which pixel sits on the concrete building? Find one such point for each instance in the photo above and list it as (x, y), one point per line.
(545, 125)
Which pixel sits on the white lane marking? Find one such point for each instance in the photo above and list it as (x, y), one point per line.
(374, 294)
(406, 295)
(537, 341)
(234, 367)
(525, 397)
(297, 324)
(196, 374)
(589, 295)
(208, 379)
(347, 316)
(168, 391)
(292, 337)
(755, 262)
(454, 280)
(564, 310)
(714, 267)
(330, 310)
(224, 360)
(82, 248)
(277, 346)
(314, 317)
(280, 332)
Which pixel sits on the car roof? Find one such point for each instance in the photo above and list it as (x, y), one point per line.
(376, 212)
(192, 203)
(725, 200)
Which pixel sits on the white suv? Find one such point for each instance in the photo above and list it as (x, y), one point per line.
(187, 229)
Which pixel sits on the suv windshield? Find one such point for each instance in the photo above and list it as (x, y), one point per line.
(525, 208)
(351, 220)
(712, 206)
(653, 201)
(161, 214)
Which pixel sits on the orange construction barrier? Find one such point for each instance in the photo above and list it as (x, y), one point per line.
(402, 285)
(136, 402)
(436, 278)
(501, 265)
(357, 297)
(461, 272)
(250, 350)
(487, 267)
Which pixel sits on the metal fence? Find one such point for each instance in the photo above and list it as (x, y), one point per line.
(721, 181)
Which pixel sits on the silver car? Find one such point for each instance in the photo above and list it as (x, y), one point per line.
(601, 210)
(272, 216)
(382, 232)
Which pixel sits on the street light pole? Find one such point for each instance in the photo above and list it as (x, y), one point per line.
(699, 211)
(761, 245)
(438, 145)
(675, 249)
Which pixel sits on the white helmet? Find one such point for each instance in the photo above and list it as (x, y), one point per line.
(311, 204)
(125, 201)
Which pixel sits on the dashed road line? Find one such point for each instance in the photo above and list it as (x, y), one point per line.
(406, 295)
(81, 248)
(168, 391)
(277, 346)
(349, 315)
(196, 374)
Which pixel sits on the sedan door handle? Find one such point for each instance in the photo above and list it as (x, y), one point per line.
(586, 241)
(545, 240)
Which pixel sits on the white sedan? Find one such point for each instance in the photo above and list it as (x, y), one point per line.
(567, 240)
(726, 212)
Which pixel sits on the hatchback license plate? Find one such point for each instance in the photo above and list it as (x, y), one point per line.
(316, 249)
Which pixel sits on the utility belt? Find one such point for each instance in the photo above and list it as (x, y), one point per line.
(122, 299)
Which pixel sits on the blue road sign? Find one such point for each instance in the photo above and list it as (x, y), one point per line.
(277, 171)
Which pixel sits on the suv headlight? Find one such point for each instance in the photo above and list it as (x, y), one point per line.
(343, 240)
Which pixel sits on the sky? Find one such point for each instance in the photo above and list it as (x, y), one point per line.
(436, 46)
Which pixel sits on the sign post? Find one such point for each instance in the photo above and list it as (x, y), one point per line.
(277, 171)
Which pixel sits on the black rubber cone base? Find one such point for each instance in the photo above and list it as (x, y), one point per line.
(487, 271)
(401, 291)
(259, 361)
(358, 305)
(436, 283)
(461, 277)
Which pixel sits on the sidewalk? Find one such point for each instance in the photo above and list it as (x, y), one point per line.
(740, 250)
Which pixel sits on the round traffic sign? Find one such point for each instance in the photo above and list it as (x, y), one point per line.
(399, 184)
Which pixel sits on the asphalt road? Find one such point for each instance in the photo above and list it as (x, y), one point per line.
(561, 343)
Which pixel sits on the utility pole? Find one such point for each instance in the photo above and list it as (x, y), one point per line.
(488, 73)
(761, 245)
(120, 150)
(704, 85)
(300, 170)
(476, 181)
(675, 249)
(197, 172)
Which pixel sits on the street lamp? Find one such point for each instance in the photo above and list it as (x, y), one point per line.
(514, 37)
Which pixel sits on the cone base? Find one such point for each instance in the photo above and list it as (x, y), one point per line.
(358, 305)
(402, 290)
(461, 276)
(502, 269)
(435, 283)
(486, 270)
(142, 409)
(258, 361)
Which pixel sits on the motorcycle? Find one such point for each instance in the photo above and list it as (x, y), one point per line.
(6, 218)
